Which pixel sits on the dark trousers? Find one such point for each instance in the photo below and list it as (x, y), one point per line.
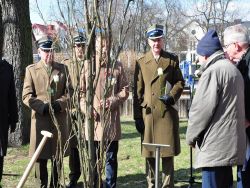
(111, 163)
(243, 172)
(243, 176)
(1, 168)
(41, 173)
(217, 177)
(74, 165)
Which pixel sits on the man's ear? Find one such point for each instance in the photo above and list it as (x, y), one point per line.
(38, 51)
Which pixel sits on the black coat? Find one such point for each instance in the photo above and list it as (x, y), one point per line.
(8, 103)
(244, 67)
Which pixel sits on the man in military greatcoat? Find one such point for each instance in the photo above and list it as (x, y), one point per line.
(75, 65)
(158, 84)
(46, 92)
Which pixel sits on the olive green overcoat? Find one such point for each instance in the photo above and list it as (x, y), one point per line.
(74, 70)
(161, 122)
(36, 93)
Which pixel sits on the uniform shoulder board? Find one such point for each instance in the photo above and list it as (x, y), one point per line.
(31, 65)
(141, 56)
(173, 54)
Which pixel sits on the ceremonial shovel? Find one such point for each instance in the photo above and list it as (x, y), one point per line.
(46, 135)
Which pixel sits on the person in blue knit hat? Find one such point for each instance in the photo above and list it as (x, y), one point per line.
(216, 117)
(209, 44)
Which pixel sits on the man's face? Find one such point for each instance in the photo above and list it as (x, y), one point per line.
(232, 52)
(79, 50)
(202, 59)
(101, 48)
(47, 55)
(156, 45)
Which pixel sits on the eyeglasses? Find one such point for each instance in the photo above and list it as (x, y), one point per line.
(226, 46)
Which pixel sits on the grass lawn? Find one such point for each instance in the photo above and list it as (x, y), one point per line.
(132, 166)
(131, 170)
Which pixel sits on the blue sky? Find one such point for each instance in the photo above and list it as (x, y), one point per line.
(46, 7)
(49, 8)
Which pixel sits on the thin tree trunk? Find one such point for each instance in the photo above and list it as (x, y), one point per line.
(17, 50)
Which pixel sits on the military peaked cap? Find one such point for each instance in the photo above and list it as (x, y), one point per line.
(155, 31)
(45, 43)
(79, 39)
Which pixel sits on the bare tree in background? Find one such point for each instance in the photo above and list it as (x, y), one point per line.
(212, 14)
(165, 12)
(103, 17)
(112, 20)
(175, 24)
(16, 48)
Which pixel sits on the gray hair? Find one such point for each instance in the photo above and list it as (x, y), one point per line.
(236, 33)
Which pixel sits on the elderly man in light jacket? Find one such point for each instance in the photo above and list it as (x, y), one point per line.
(107, 125)
(216, 118)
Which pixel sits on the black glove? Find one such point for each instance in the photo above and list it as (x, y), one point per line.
(139, 124)
(46, 109)
(56, 107)
(12, 127)
(248, 132)
(167, 100)
(74, 115)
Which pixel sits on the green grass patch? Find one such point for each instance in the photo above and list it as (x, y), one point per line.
(131, 166)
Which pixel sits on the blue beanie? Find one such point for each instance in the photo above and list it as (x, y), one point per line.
(209, 44)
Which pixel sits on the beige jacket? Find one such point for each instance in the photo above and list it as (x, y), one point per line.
(116, 94)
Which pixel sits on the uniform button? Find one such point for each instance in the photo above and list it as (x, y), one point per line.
(153, 93)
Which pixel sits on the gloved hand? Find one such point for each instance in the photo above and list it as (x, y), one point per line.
(46, 109)
(248, 132)
(12, 127)
(139, 124)
(56, 106)
(167, 100)
(74, 115)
